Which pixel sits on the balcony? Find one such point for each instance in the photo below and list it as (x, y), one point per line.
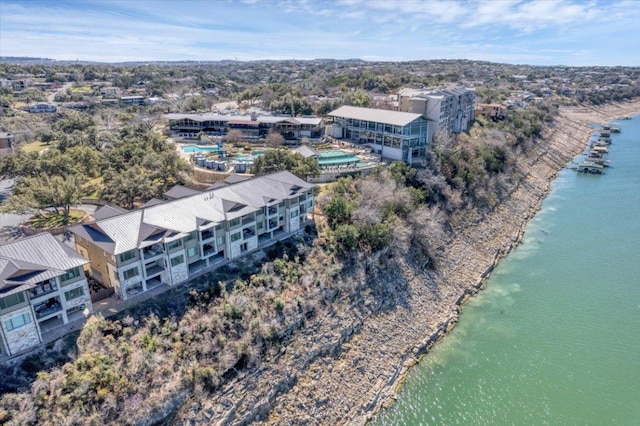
(44, 288)
(47, 308)
(208, 250)
(207, 235)
(273, 210)
(153, 270)
(152, 251)
(248, 220)
(248, 233)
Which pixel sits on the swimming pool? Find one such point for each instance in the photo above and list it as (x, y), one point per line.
(192, 149)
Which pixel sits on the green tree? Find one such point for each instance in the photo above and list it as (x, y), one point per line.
(280, 159)
(129, 187)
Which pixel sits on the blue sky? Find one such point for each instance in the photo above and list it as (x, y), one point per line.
(536, 32)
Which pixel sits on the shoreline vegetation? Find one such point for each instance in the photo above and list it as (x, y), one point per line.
(321, 335)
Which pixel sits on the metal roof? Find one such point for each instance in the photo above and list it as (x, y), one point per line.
(384, 116)
(179, 191)
(25, 262)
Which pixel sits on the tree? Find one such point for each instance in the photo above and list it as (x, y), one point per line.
(274, 139)
(128, 188)
(338, 211)
(280, 159)
(359, 98)
(45, 191)
(234, 136)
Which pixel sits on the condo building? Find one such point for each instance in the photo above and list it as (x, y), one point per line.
(175, 241)
(252, 127)
(42, 287)
(449, 109)
(393, 135)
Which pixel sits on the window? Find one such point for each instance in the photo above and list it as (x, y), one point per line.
(294, 213)
(127, 255)
(190, 237)
(71, 274)
(130, 273)
(235, 237)
(193, 251)
(17, 321)
(177, 260)
(11, 300)
(73, 294)
(234, 222)
(174, 244)
(260, 225)
(281, 204)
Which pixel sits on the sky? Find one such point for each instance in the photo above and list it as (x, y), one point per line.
(534, 32)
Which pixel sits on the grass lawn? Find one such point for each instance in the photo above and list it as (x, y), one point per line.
(81, 89)
(47, 220)
(35, 146)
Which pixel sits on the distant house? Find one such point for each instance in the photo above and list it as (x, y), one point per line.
(6, 142)
(41, 108)
(393, 135)
(132, 100)
(110, 91)
(493, 112)
(42, 287)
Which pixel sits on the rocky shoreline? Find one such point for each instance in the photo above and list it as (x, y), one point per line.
(346, 366)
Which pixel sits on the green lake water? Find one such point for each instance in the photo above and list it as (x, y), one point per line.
(555, 337)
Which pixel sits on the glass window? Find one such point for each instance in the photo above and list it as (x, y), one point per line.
(294, 213)
(235, 237)
(74, 293)
(17, 321)
(192, 251)
(177, 260)
(130, 273)
(71, 274)
(190, 237)
(11, 300)
(234, 222)
(174, 244)
(127, 255)
(219, 241)
(260, 225)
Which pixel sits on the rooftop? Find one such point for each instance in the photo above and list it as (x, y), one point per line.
(384, 116)
(25, 262)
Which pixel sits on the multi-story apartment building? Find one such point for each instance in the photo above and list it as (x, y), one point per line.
(42, 286)
(169, 243)
(189, 126)
(449, 110)
(392, 134)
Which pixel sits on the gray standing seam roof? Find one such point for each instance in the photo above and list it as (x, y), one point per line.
(25, 262)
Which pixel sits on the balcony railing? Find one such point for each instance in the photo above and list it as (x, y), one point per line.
(248, 233)
(43, 289)
(154, 270)
(273, 210)
(152, 251)
(47, 308)
(207, 235)
(208, 250)
(248, 220)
